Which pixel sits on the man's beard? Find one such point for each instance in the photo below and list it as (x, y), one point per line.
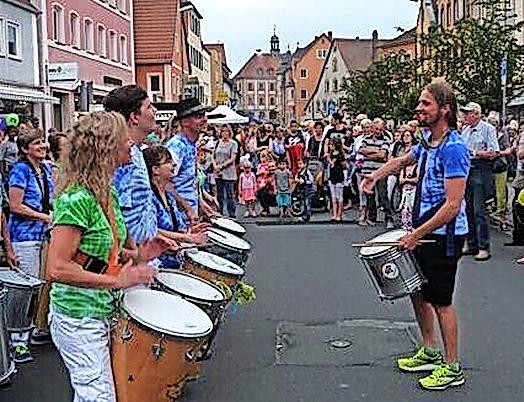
(428, 122)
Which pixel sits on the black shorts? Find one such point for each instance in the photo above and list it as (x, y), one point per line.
(439, 269)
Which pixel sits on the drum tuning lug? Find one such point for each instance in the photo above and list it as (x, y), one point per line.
(191, 355)
(126, 334)
(157, 349)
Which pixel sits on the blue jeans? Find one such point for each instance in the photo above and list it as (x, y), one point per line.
(478, 190)
(226, 195)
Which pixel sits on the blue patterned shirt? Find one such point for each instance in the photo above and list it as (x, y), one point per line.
(184, 153)
(447, 161)
(136, 197)
(23, 177)
(165, 221)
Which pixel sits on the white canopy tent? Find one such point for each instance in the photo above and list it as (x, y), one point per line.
(230, 116)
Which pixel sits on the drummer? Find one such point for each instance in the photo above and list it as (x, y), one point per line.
(170, 220)
(83, 259)
(438, 214)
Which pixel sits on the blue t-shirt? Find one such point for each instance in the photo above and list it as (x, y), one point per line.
(136, 197)
(447, 161)
(184, 153)
(23, 177)
(165, 221)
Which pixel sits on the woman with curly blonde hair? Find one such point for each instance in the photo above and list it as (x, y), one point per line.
(83, 259)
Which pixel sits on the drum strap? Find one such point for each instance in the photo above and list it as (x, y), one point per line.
(420, 220)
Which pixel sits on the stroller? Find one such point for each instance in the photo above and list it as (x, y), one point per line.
(320, 199)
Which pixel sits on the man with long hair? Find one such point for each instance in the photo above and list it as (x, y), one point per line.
(439, 214)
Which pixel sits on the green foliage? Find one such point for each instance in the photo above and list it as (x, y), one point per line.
(468, 56)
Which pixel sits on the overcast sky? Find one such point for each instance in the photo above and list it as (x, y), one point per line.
(247, 25)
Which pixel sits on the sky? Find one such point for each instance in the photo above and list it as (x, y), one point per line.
(246, 25)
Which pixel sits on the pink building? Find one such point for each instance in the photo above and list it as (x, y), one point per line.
(90, 52)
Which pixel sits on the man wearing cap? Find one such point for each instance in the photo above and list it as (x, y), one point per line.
(481, 140)
(191, 116)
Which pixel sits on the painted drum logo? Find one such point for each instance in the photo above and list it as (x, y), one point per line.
(390, 271)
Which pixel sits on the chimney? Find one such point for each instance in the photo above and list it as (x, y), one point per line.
(374, 44)
(374, 35)
(330, 35)
(357, 38)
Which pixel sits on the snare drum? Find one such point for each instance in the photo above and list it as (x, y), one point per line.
(212, 267)
(228, 225)
(7, 365)
(22, 299)
(152, 349)
(229, 246)
(394, 273)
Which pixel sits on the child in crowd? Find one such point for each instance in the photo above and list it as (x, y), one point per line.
(304, 179)
(247, 188)
(337, 175)
(408, 184)
(283, 184)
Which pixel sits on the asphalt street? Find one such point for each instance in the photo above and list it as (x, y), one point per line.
(317, 331)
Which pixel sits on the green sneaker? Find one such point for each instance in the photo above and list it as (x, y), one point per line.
(442, 378)
(420, 361)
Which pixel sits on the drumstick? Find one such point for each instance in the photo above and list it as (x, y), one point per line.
(388, 243)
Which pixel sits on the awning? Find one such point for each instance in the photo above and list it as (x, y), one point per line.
(26, 95)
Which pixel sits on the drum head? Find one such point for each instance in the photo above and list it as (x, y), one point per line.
(393, 235)
(228, 240)
(229, 224)
(167, 313)
(215, 263)
(12, 277)
(190, 286)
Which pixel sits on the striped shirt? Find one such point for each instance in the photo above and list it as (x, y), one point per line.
(482, 137)
(380, 143)
(136, 197)
(184, 153)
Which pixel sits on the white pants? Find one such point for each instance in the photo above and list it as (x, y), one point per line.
(29, 256)
(84, 345)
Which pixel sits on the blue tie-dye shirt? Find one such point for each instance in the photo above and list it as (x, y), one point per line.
(136, 197)
(184, 153)
(447, 161)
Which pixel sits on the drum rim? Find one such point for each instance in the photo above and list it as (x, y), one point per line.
(383, 249)
(213, 301)
(229, 247)
(242, 230)
(241, 270)
(21, 275)
(164, 331)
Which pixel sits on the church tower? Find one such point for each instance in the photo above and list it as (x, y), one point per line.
(275, 43)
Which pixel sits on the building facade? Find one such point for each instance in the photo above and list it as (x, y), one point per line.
(160, 50)
(198, 81)
(221, 88)
(90, 51)
(21, 86)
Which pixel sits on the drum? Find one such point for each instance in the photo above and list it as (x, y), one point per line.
(22, 299)
(7, 365)
(229, 246)
(212, 267)
(152, 349)
(228, 225)
(394, 273)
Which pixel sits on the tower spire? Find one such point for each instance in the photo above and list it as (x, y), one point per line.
(275, 42)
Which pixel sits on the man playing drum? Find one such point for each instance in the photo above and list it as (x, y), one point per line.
(439, 214)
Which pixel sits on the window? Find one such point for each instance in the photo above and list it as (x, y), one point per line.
(442, 22)
(322, 53)
(270, 72)
(74, 26)
(14, 44)
(89, 36)
(122, 51)
(122, 6)
(272, 101)
(465, 8)
(250, 86)
(303, 94)
(113, 46)
(335, 65)
(260, 71)
(154, 83)
(58, 23)
(101, 41)
(2, 37)
(326, 86)
(455, 10)
(448, 15)
(303, 73)
(261, 101)
(250, 101)
(112, 3)
(261, 86)
(335, 85)
(272, 87)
